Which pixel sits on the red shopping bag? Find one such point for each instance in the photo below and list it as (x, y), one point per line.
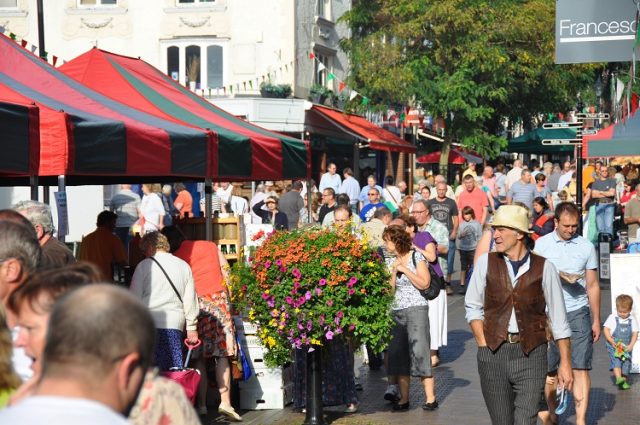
(188, 378)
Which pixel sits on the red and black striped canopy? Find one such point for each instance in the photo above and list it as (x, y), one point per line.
(244, 151)
(83, 133)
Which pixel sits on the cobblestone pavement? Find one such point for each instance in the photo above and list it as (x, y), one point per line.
(458, 390)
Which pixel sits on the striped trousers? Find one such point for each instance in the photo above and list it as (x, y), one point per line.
(512, 383)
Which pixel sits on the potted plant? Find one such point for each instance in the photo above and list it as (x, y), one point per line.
(309, 287)
(319, 93)
(193, 72)
(279, 91)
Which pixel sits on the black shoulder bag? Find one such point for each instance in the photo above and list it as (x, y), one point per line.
(437, 282)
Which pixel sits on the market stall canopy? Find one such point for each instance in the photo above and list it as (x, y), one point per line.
(244, 151)
(338, 124)
(620, 139)
(455, 157)
(87, 136)
(531, 141)
(20, 126)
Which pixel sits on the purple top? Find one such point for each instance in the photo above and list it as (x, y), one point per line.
(421, 240)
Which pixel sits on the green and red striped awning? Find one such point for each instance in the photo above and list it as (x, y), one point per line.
(84, 134)
(620, 139)
(244, 151)
(20, 123)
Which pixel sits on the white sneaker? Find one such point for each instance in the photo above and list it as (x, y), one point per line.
(392, 394)
(229, 412)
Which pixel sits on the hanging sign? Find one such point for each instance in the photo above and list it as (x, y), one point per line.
(595, 30)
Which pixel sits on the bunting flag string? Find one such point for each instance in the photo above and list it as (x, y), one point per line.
(273, 74)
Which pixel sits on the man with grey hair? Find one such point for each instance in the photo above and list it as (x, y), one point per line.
(439, 178)
(99, 345)
(54, 253)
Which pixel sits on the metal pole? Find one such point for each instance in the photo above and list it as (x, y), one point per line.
(33, 182)
(314, 389)
(41, 29)
(62, 188)
(208, 225)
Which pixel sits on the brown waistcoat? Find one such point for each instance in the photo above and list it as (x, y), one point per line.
(527, 298)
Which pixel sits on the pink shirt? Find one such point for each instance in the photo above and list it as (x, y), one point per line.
(491, 184)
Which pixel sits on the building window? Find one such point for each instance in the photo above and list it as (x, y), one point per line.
(321, 74)
(190, 2)
(199, 61)
(324, 9)
(214, 66)
(173, 62)
(8, 4)
(192, 59)
(94, 3)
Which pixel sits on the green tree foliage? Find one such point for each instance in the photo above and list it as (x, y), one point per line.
(475, 63)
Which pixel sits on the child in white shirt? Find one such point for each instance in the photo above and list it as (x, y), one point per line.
(622, 328)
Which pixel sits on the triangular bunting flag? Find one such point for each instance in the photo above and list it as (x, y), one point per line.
(237, 87)
(341, 85)
(286, 67)
(23, 43)
(224, 90)
(12, 36)
(251, 84)
(55, 60)
(231, 89)
(321, 67)
(353, 95)
(33, 49)
(330, 76)
(365, 101)
(312, 56)
(2, 29)
(244, 85)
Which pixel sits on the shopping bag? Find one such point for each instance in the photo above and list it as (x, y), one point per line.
(187, 378)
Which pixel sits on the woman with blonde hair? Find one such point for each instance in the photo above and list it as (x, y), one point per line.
(164, 283)
(9, 379)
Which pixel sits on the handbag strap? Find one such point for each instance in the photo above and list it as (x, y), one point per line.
(168, 278)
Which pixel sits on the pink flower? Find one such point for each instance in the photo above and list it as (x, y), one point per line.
(267, 264)
(322, 282)
(329, 303)
(265, 296)
(353, 280)
(278, 262)
(296, 273)
(288, 300)
(329, 335)
(307, 296)
(352, 291)
(318, 291)
(340, 314)
(352, 327)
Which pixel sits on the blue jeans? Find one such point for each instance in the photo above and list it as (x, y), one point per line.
(604, 218)
(451, 255)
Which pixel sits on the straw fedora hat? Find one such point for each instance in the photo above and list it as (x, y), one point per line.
(512, 216)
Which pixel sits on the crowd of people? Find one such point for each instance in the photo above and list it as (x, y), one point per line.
(530, 284)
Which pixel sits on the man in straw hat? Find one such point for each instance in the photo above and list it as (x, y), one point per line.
(576, 260)
(511, 295)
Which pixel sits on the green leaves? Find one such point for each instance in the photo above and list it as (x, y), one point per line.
(482, 62)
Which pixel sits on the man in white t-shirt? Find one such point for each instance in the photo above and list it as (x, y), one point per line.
(81, 384)
(513, 175)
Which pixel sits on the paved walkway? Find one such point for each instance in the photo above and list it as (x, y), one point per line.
(458, 390)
